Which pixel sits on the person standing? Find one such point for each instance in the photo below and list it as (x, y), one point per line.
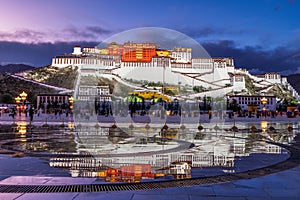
(31, 112)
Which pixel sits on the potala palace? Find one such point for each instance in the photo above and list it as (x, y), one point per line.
(146, 61)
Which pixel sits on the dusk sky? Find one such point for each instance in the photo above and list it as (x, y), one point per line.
(261, 35)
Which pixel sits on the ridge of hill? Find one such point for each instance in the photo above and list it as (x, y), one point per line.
(60, 77)
(14, 68)
(11, 87)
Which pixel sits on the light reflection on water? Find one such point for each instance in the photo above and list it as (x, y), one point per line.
(143, 154)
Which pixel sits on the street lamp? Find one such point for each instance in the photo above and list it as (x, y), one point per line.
(23, 96)
(18, 100)
(264, 101)
(71, 100)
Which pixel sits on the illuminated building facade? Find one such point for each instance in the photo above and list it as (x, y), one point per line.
(145, 60)
(138, 52)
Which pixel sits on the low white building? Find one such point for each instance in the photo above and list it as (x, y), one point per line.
(245, 100)
(238, 82)
(273, 77)
(92, 93)
(182, 55)
(46, 99)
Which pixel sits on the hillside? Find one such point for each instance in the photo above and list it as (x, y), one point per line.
(14, 68)
(60, 77)
(294, 80)
(260, 87)
(11, 87)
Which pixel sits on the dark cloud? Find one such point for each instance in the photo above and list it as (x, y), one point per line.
(36, 55)
(78, 33)
(98, 30)
(256, 59)
(200, 32)
(24, 35)
(281, 59)
(277, 8)
(292, 2)
(296, 56)
(69, 34)
(88, 33)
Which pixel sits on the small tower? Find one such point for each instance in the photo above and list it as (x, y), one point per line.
(77, 50)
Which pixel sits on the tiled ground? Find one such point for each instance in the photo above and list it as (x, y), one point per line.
(282, 185)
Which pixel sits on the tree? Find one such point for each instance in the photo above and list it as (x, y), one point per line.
(234, 106)
(6, 98)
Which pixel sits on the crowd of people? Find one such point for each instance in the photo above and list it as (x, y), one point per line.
(108, 108)
(16, 111)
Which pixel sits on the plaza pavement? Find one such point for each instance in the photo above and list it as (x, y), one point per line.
(282, 185)
(52, 119)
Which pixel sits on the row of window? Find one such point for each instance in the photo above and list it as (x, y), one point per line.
(67, 61)
(71, 61)
(88, 98)
(88, 91)
(53, 98)
(144, 64)
(253, 102)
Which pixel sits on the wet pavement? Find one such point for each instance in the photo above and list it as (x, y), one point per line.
(275, 181)
(281, 185)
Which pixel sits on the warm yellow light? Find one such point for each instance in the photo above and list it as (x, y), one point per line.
(71, 125)
(23, 96)
(71, 99)
(264, 124)
(264, 100)
(18, 99)
(22, 128)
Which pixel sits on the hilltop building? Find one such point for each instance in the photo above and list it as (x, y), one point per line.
(147, 62)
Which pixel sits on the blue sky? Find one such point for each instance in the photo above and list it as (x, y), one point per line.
(246, 30)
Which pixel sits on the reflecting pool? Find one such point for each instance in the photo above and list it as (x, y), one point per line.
(144, 153)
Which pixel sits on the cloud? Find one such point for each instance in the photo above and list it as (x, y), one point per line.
(38, 54)
(279, 59)
(277, 8)
(69, 34)
(253, 58)
(296, 56)
(201, 32)
(98, 30)
(292, 2)
(24, 35)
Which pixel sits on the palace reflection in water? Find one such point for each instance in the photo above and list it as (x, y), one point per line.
(135, 155)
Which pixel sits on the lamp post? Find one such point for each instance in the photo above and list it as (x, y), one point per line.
(18, 100)
(264, 101)
(23, 96)
(71, 101)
